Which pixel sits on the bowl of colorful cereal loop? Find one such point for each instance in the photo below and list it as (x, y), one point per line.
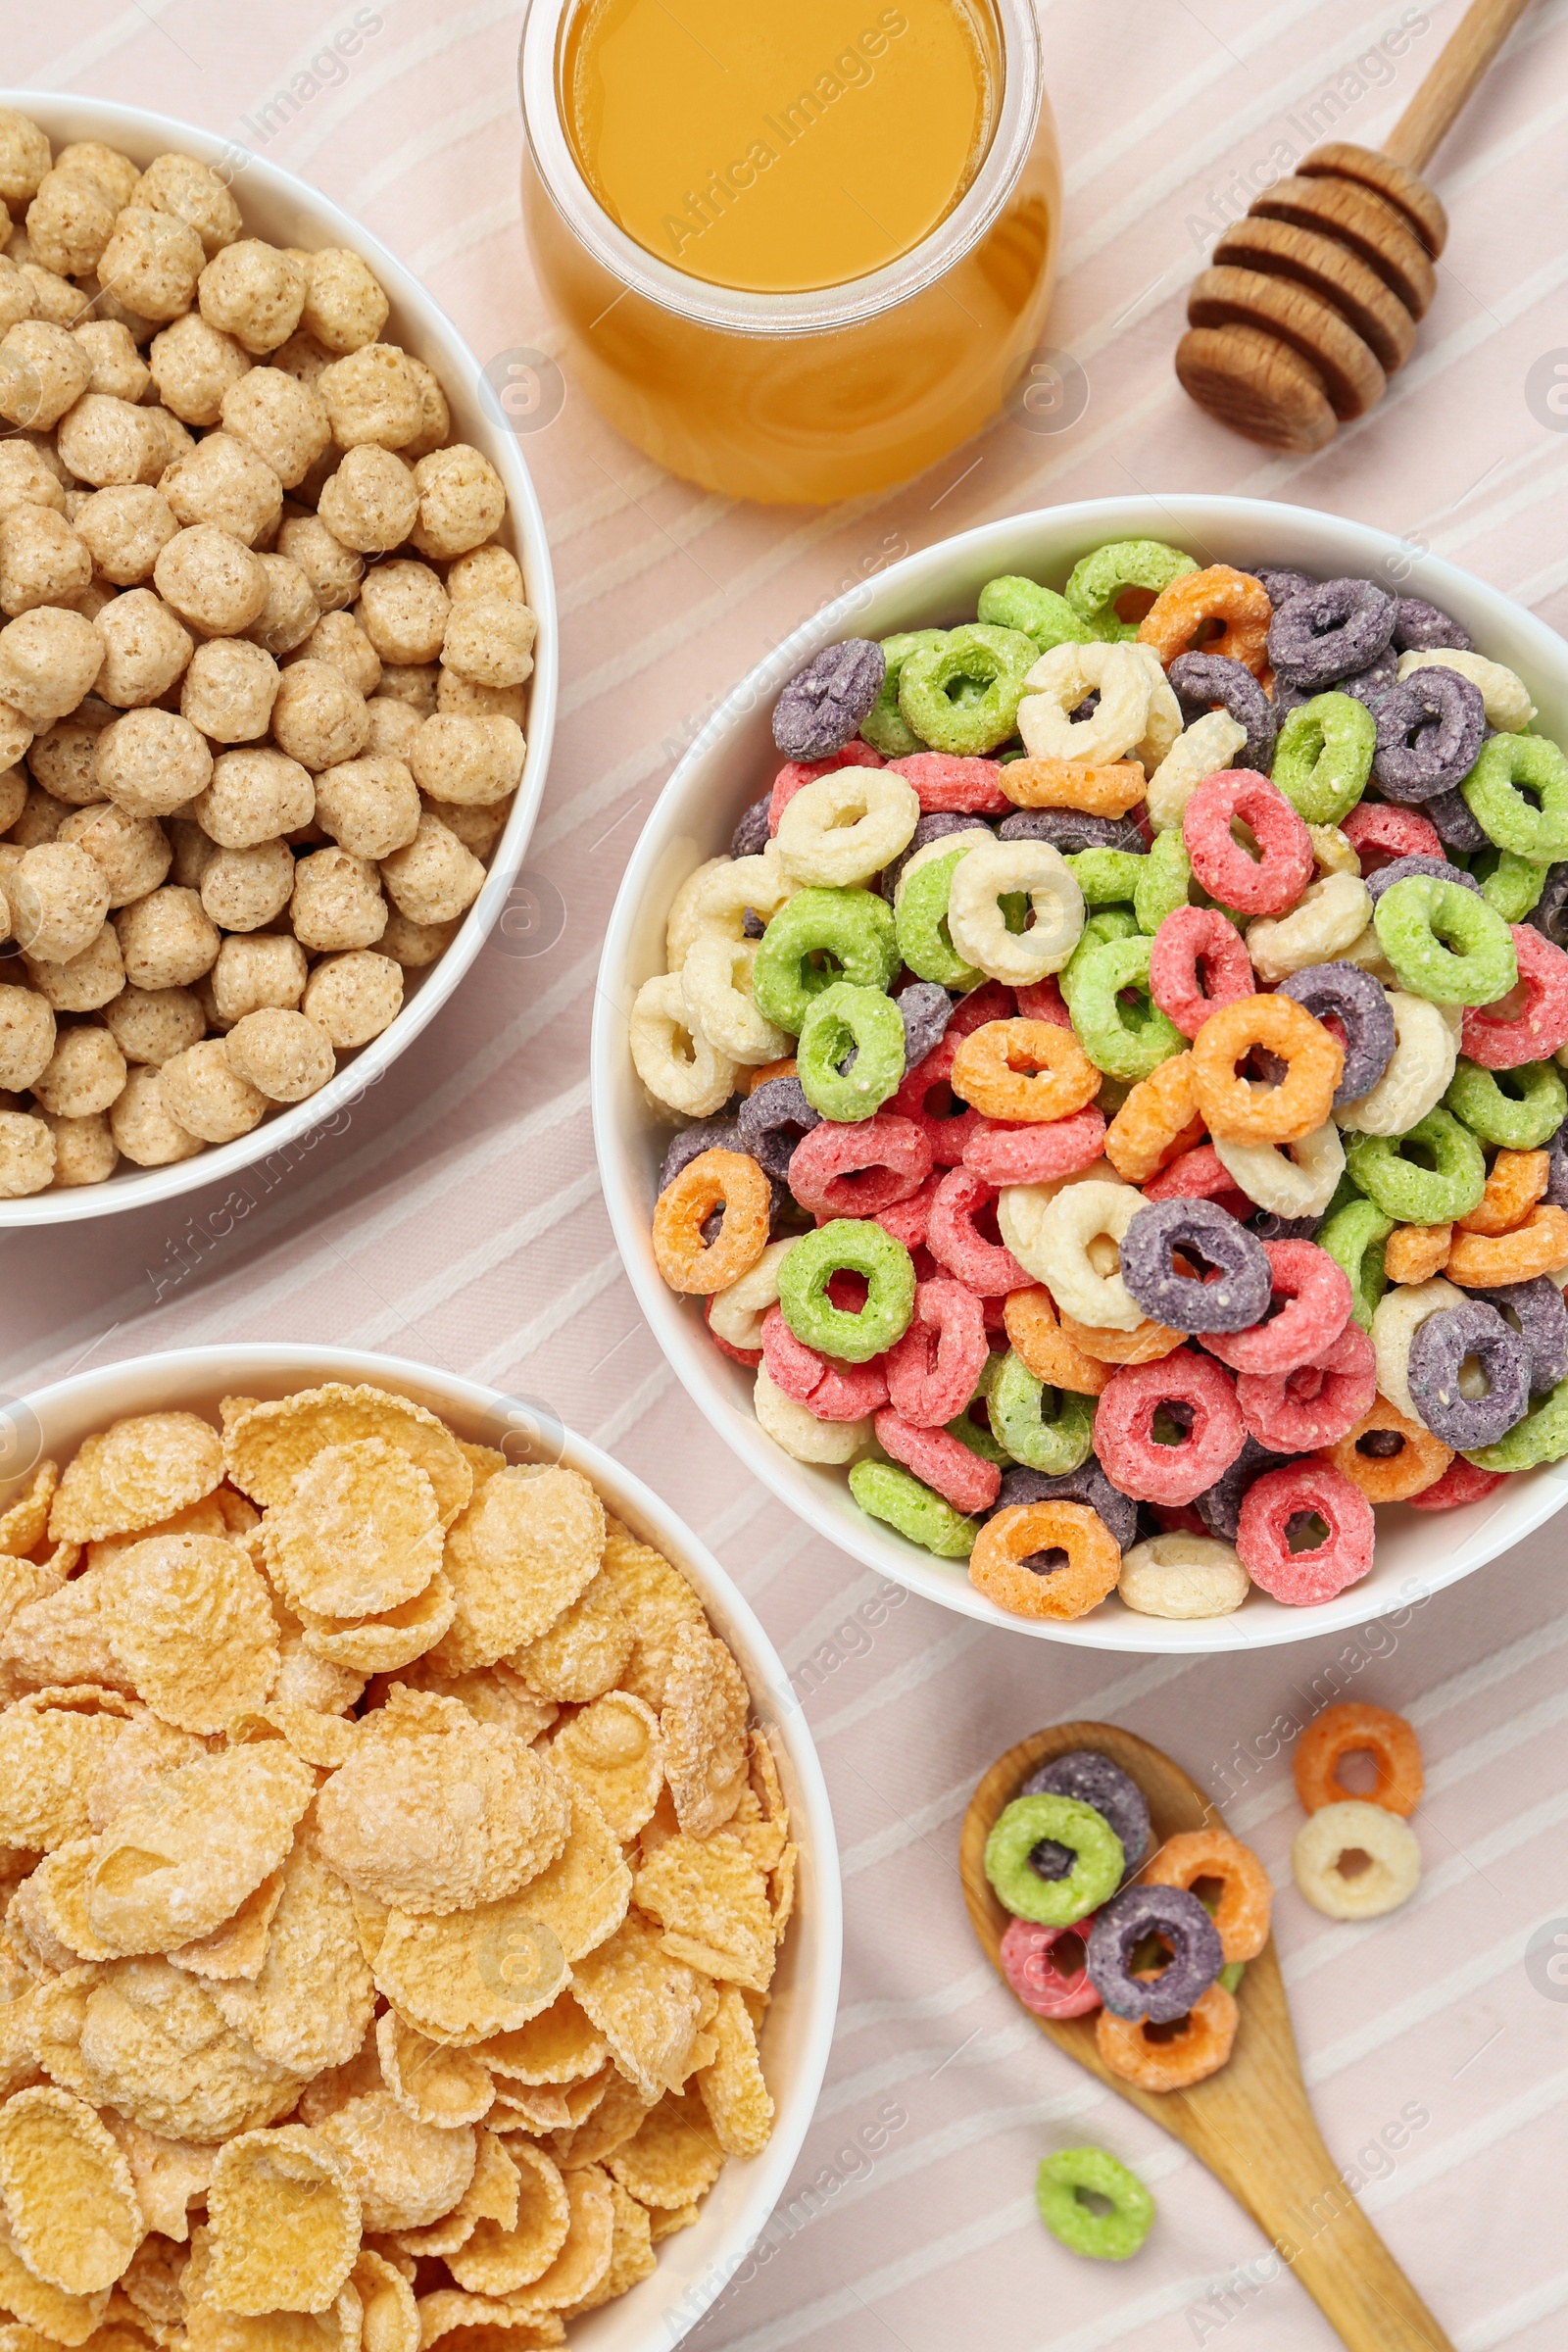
(278, 659)
(1078, 1073)
(394, 1749)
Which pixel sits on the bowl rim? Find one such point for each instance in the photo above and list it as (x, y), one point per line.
(65, 117)
(697, 2275)
(818, 1496)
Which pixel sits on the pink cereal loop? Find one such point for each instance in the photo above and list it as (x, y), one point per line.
(832, 1391)
(1032, 1972)
(1201, 1175)
(972, 787)
(1196, 964)
(1460, 1483)
(1270, 885)
(946, 1135)
(907, 1221)
(1316, 1404)
(990, 1002)
(986, 1267)
(1129, 1454)
(1379, 833)
(1318, 1293)
(1262, 1537)
(857, 1170)
(751, 1357)
(1500, 1042)
(932, 1371)
(999, 1155)
(1044, 1001)
(795, 774)
(943, 1463)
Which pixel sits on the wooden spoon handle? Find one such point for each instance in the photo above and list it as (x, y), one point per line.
(1465, 56)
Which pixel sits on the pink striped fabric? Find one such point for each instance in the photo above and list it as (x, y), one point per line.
(456, 1216)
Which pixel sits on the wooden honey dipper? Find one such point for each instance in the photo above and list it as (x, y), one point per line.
(1312, 300)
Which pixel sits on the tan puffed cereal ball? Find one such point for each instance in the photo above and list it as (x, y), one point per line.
(285, 1055)
(41, 819)
(17, 299)
(58, 898)
(253, 292)
(152, 1024)
(223, 481)
(145, 650)
(118, 366)
(371, 501)
(176, 440)
(464, 697)
(333, 571)
(229, 690)
(344, 306)
(142, 1127)
(393, 727)
(84, 1150)
(282, 420)
(193, 192)
(462, 501)
(257, 970)
(373, 398)
(42, 562)
(243, 889)
(25, 480)
(165, 938)
(490, 639)
(27, 1155)
(93, 599)
(206, 1093)
(49, 658)
(57, 301)
(44, 451)
(212, 579)
(193, 365)
(25, 157)
(255, 796)
(85, 1073)
(12, 796)
(290, 611)
(131, 852)
(411, 682)
(87, 982)
(338, 639)
(486, 571)
(352, 998)
(371, 807)
(435, 417)
(104, 440)
(404, 611)
(434, 878)
(337, 900)
(109, 166)
(27, 1037)
(469, 761)
(43, 372)
(319, 717)
(478, 830)
(70, 221)
(63, 759)
(152, 260)
(152, 762)
(303, 357)
(194, 852)
(125, 529)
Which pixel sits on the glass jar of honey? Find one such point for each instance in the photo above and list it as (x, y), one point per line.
(801, 248)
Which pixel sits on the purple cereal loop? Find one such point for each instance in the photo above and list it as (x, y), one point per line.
(1423, 628)
(1538, 1311)
(1458, 826)
(821, 708)
(751, 836)
(1549, 913)
(1203, 680)
(1282, 581)
(1438, 1353)
(1219, 1506)
(1123, 1923)
(1070, 831)
(1370, 685)
(925, 1010)
(1556, 1151)
(770, 1123)
(1092, 1780)
(1332, 631)
(719, 1134)
(1361, 1008)
(1087, 1484)
(931, 827)
(1399, 869)
(1237, 1299)
(1429, 733)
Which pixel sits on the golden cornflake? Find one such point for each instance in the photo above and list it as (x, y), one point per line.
(584, 2257)
(64, 2319)
(739, 2104)
(617, 2118)
(49, 1758)
(436, 1822)
(379, 1645)
(674, 2159)
(584, 1653)
(658, 1601)
(70, 2199)
(189, 1620)
(498, 2260)
(146, 1756)
(170, 2176)
(134, 1473)
(285, 2224)
(491, 1694)
(313, 1998)
(139, 2036)
(631, 2252)
(152, 2283)
(781, 1885)
(60, 1638)
(667, 2224)
(647, 2006)
(473, 1972)
(406, 2174)
(711, 1901)
(434, 2084)
(560, 2045)
(358, 1534)
(490, 2196)
(269, 1445)
(479, 2323)
(25, 1521)
(204, 1518)
(526, 1547)
(612, 1750)
(303, 1679)
(315, 1737)
(582, 1897)
(704, 1723)
(55, 1898)
(390, 2322)
(177, 1862)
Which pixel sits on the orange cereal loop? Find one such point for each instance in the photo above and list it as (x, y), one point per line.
(1144, 1346)
(1038, 1341)
(1239, 1111)
(727, 1180)
(1416, 1252)
(1481, 1261)
(1032, 1530)
(1179, 611)
(1247, 1892)
(1159, 1119)
(1023, 1072)
(1383, 1477)
(1517, 1181)
(1350, 1729)
(1202, 2049)
(748, 1081)
(1070, 784)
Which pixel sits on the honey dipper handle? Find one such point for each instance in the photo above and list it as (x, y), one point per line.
(1465, 56)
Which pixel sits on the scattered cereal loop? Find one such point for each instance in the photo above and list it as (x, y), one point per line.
(135, 1471)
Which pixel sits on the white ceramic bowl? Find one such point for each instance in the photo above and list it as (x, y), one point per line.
(725, 769)
(697, 2264)
(277, 206)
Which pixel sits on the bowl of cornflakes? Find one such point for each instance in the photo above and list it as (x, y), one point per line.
(420, 1908)
(277, 658)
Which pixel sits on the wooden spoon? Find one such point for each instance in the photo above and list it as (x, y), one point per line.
(1312, 299)
(1250, 2123)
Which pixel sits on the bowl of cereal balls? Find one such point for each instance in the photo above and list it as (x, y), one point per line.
(278, 659)
(422, 1903)
(1078, 1073)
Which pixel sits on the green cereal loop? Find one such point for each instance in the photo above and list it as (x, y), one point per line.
(981, 1437)
(1353, 1235)
(1165, 882)
(1324, 757)
(921, 925)
(1540, 1436)
(1074, 2223)
(932, 680)
(1491, 1109)
(1055, 1442)
(842, 1020)
(1052, 1902)
(1416, 919)
(1108, 877)
(1110, 924)
(1128, 1042)
(884, 1491)
(1414, 1195)
(848, 1245)
(1231, 1974)
(1509, 884)
(884, 727)
(1012, 603)
(1098, 580)
(849, 930)
(1499, 808)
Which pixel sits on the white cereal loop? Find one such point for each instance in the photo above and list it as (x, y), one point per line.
(736, 1313)
(1326, 918)
(1425, 1052)
(680, 927)
(678, 1067)
(973, 837)
(1356, 1828)
(716, 989)
(1366, 953)
(1332, 853)
(1503, 693)
(846, 827)
(1292, 1179)
(800, 1433)
(1398, 1317)
(978, 928)
(1203, 749)
(1061, 680)
(1183, 1576)
(738, 886)
(1164, 723)
(1063, 1257)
